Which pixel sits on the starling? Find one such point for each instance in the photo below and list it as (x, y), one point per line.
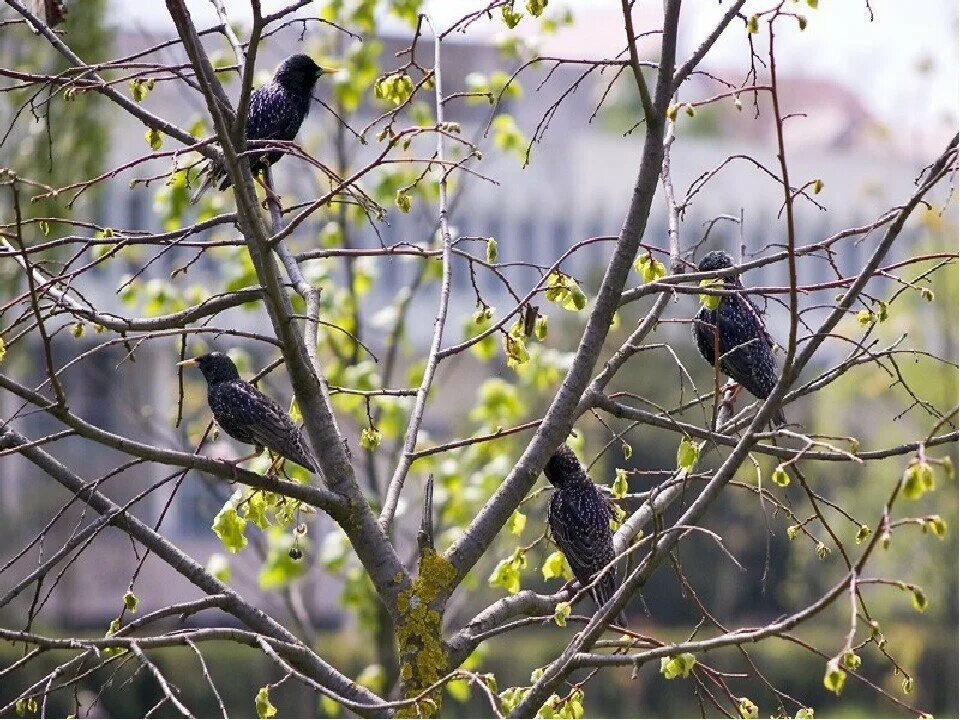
(746, 350)
(579, 519)
(247, 415)
(277, 110)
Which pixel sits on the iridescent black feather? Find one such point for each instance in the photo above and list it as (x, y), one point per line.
(249, 416)
(746, 350)
(277, 110)
(579, 519)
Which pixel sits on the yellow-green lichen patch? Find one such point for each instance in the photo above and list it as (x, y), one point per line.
(418, 632)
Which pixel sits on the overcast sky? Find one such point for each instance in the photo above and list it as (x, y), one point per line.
(879, 61)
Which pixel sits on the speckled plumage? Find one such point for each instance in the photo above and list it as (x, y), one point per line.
(579, 519)
(746, 350)
(277, 110)
(249, 416)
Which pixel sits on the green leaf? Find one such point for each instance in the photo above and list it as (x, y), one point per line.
(508, 137)
(515, 347)
(511, 17)
(130, 601)
(403, 201)
(536, 7)
(396, 88)
(539, 328)
(23, 706)
(792, 531)
(817, 186)
(255, 509)
(677, 665)
(711, 302)
(937, 526)
(507, 572)
(561, 612)
(687, 454)
(3, 349)
(518, 521)
(370, 438)
(918, 479)
(850, 660)
(753, 25)
(918, 599)
(459, 689)
(834, 677)
(556, 566)
(154, 139)
(748, 710)
(862, 534)
(804, 714)
(219, 566)
(139, 89)
(883, 311)
(491, 250)
(907, 685)
(651, 270)
(265, 708)
(780, 476)
(620, 485)
(229, 527)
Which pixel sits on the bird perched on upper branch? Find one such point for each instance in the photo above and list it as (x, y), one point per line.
(579, 519)
(277, 110)
(247, 415)
(736, 328)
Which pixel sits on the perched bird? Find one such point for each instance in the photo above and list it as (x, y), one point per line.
(277, 110)
(579, 519)
(746, 350)
(247, 415)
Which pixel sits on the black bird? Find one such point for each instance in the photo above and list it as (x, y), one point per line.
(247, 415)
(746, 350)
(277, 110)
(579, 519)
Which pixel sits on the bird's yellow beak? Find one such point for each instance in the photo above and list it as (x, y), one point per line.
(325, 70)
(188, 361)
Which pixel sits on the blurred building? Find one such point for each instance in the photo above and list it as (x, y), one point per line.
(577, 186)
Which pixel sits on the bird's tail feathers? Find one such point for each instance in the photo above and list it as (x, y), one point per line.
(213, 174)
(602, 591)
(204, 186)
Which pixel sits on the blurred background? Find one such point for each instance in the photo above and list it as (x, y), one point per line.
(879, 98)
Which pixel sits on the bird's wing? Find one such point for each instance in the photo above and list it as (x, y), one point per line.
(740, 322)
(754, 311)
(263, 421)
(581, 528)
(272, 115)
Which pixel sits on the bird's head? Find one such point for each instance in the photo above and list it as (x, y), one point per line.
(299, 73)
(215, 366)
(718, 260)
(563, 467)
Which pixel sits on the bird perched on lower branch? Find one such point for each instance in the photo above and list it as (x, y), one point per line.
(277, 110)
(249, 416)
(735, 328)
(579, 519)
